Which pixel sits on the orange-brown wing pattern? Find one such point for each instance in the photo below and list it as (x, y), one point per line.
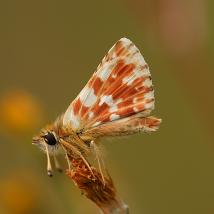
(120, 87)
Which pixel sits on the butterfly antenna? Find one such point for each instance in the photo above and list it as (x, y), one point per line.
(49, 168)
(67, 158)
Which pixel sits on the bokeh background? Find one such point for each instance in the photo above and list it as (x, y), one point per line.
(48, 51)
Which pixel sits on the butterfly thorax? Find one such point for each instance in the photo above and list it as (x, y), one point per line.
(70, 139)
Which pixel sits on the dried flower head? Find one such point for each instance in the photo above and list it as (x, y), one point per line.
(103, 194)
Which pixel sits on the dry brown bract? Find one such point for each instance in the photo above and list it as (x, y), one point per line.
(104, 195)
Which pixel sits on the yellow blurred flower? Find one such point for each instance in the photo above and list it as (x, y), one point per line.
(19, 194)
(20, 112)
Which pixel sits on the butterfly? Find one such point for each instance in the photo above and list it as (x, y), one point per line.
(116, 101)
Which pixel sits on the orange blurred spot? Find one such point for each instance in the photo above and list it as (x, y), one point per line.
(19, 112)
(18, 194)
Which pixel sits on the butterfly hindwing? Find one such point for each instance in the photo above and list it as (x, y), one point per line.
(125, 126)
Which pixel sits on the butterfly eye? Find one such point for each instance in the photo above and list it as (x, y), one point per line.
(50, 139)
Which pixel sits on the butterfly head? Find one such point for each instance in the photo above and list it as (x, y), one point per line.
(48, 141)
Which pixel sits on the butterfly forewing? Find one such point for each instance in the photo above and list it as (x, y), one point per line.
(120, 88)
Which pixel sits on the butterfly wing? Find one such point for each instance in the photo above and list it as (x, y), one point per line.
(126, 126)
(120, 88)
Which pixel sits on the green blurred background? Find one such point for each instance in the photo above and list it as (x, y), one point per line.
(48, 51)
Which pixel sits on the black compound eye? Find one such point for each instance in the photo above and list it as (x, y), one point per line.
(50, 139)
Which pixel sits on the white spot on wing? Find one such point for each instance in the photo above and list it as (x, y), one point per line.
(147, 83)
(149, 95)
(135, 109)
(83, 94)
(142, 71)
(114, 106)
(106, 99)
(97, 123)
(149, 105)
(136, 56)
(114, 117)
(139, 58)
(71, 119)
(91, 115)
(105, 69)
(118, 101)
(125, 40)
(103, 74)
(87, 97)
(128, 80)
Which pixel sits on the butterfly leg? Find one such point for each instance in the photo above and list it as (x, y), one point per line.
(76, 152)
(67, 159)
(99, 159)
(87, 164)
